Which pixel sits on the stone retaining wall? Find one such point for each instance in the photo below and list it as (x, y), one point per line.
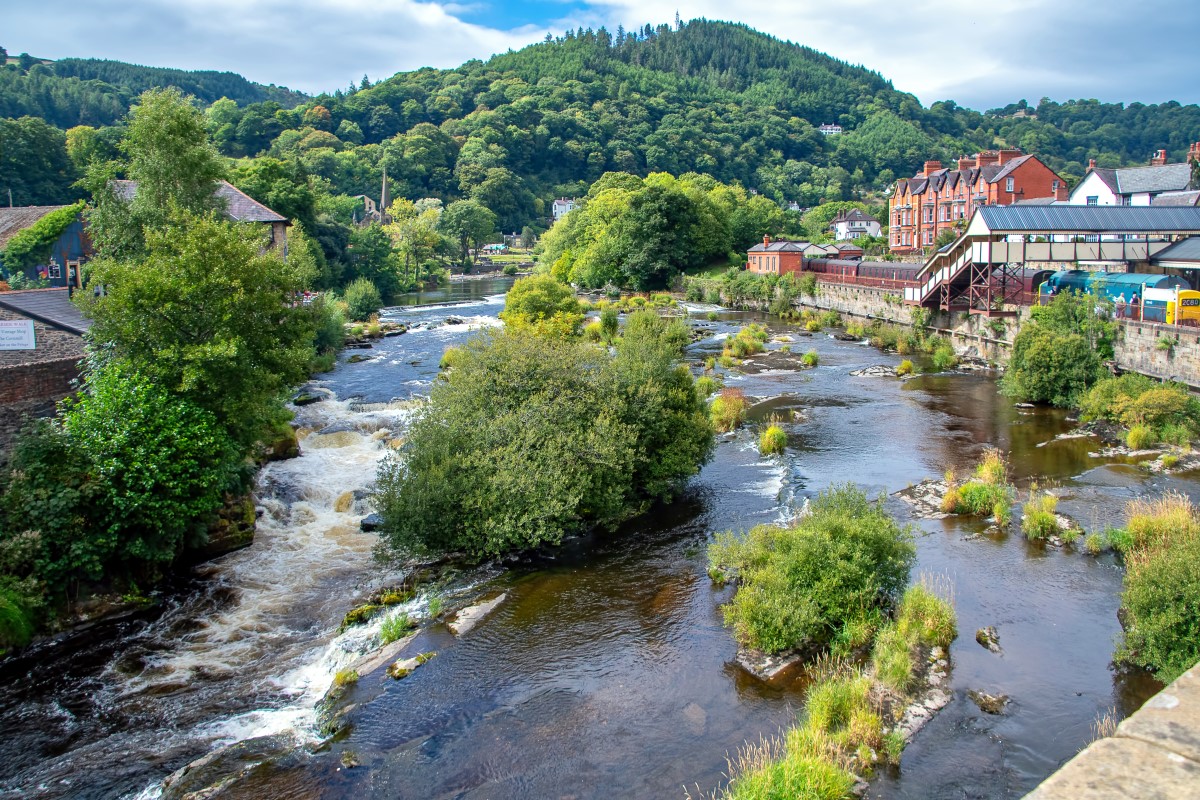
(33, 381)
(990, 339)
(1142, 347)
(1154, 753)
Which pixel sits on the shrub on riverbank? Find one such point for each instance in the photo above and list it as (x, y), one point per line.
(749, 341)
(362, 299)
(801, 586)
(1059, 353)
(1152, 411)
(533, 438)
(543, 305)
(1162, 586)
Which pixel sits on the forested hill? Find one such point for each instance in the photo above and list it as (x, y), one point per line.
(523, 127)
(89, 91)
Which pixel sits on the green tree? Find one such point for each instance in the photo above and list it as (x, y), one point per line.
(362, 299)
(34, 164)
(207, 314)
(542, 304)
(469, 223)
(168, 155)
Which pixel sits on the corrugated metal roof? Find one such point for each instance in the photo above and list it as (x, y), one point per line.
(1186, 250)
(51, 306)
(1090, 219)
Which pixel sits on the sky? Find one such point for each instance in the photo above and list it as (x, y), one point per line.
(980, 54)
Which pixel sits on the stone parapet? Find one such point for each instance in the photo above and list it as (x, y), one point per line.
(1154, 754)
(1166, 352)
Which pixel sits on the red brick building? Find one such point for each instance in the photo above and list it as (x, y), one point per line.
(936, 198)
(775, 258)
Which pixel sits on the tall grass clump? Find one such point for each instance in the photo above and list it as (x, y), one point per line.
(772, 441)
(944, 358)
(810, 359)
(800, 586)
(988, 491)
(1039, 520)
(749, 341)
(923, 619)
(707, 386)
(1161, 546)
(729, 409)
(395, 628)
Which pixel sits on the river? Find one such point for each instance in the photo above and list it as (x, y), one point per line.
(606, 671)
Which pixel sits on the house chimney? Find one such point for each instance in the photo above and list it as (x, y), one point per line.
(1194, 152)
(1004, 156)
(986, 157)
(1061, 192)
(766, 240)
(931, 167)
(965, 163)
(1091, 164)
(1159, 158)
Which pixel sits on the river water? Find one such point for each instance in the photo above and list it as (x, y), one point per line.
(606, 671)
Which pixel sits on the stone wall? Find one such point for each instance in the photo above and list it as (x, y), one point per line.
(990, 339)
(52, 344)
(1142, 347)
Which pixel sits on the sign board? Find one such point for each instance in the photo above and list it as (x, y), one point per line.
(16, 334)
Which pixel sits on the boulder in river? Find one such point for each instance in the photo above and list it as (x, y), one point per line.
(845, 337)
(307, 399)
(371, 522)
(876, 371)
(989, 703)
(988, 638)
(357, 359)
(472, 615)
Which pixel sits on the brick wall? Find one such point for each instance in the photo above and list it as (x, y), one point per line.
(33, 381)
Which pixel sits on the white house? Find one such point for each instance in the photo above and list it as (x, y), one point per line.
(830, 130)
(561, 207)
(853, 224)
(1131, 186)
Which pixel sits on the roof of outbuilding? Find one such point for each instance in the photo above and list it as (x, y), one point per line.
(778, 246)
(1090, 219)
(51, 306)
(1184, 250)
(15, 220)
(238, 206)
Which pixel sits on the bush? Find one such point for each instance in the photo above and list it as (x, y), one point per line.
(1095, 543)
(988, 492)
(593, 332)
(531, 439)
(773, 440)
(1162, 593)
(609, 323)
(1050, 367)
(830, 318)
(362, 299)
(802, 585)
(812, 326)
(729, 409)
(944, 358)
(749, 341)
(509, 269)
(905, 368)
(808, 284)
(1140, 437)
(544, 306)
(810, 359)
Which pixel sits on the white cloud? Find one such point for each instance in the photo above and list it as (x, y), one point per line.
(979, 54)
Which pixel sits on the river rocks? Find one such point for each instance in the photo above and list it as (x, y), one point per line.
(284, 444)
(358, 359)
(764, 666)
(471, 616)
(926, 498)
(845, 337)
(371, 522)
(696, 718)
(232, 530)
(988, 638)
(988, 703)
(455, 321)
(399, 330)
(214, 774)
(405, 666)
(877, 371)
(307, 399)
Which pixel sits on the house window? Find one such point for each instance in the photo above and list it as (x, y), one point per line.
(1054, 186)
(1093, 200)
(1126, 199)
(1009, 184)
(55, 269)
(928, 237)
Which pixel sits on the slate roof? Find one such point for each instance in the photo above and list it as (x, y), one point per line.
(854, 215)
(51, 306)
(1008, 167)
(1090, 219)
(1109, 177)
(1188, 198)
(15, 220)
(1184, 250)
(239, 206)
(778, 246)
(1164, 178)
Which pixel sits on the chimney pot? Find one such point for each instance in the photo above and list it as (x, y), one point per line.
(1091, 164)
(1159, 159)
(766, 240)
(965, 163)
(931, 167)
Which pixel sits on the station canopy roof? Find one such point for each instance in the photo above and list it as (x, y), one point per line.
(1084, 220)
